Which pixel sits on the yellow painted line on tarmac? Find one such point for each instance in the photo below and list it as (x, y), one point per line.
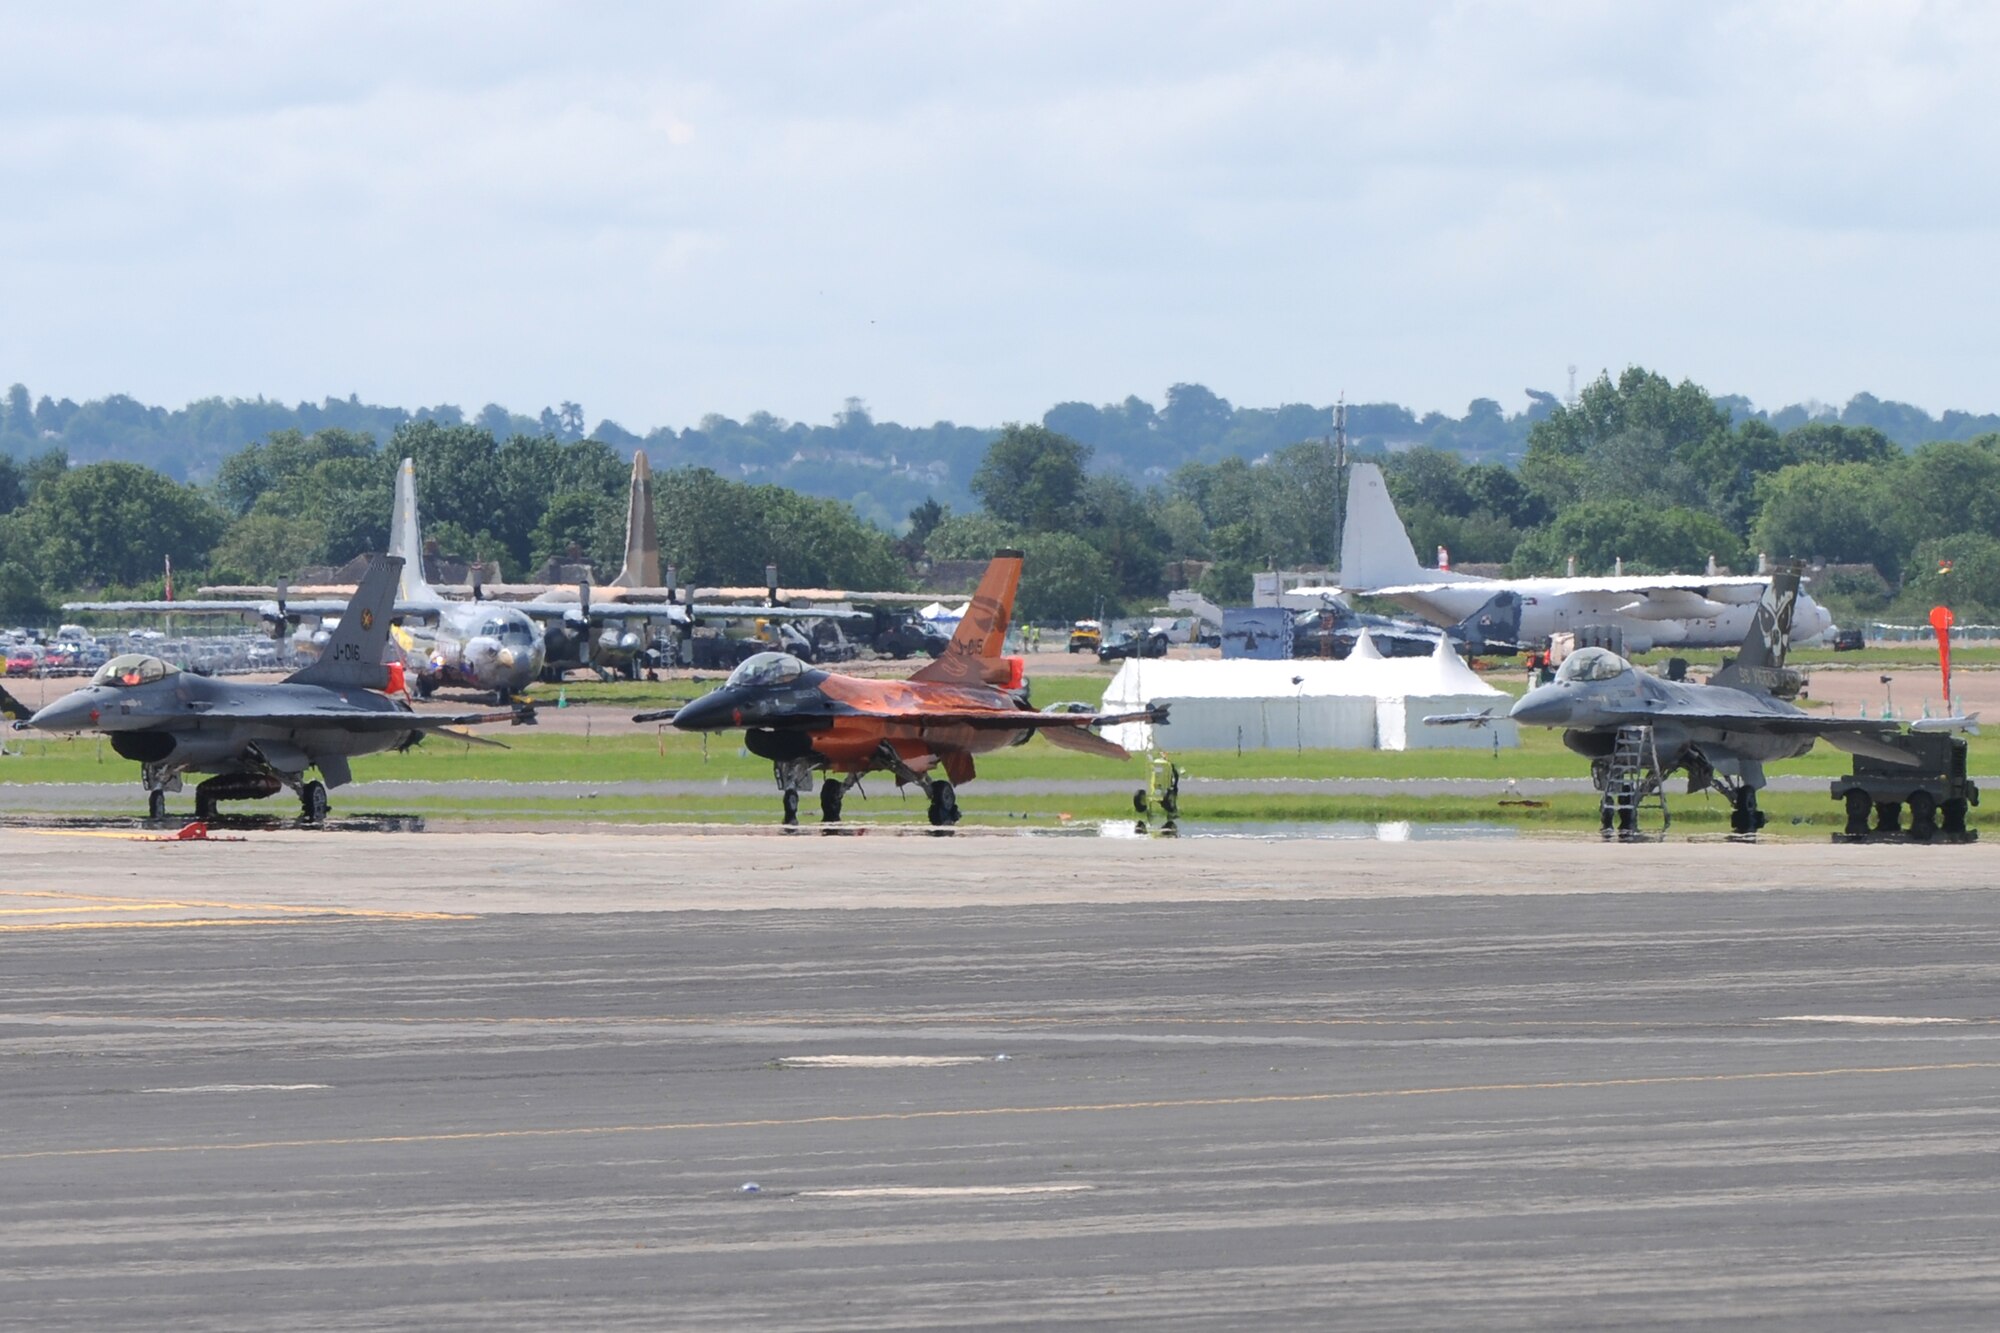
(258, 914)
(978, 1113)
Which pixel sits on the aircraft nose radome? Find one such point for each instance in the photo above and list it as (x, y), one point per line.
(1541, 707)
(704, 714)
(70, 713)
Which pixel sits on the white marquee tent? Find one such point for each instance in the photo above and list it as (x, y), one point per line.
(1366, 701)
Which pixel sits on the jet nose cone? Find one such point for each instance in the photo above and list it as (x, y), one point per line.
(72, 712)
(1544, 706)
(711, 712)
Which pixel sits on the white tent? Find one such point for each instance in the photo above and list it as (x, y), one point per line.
(1366, 701)
(940, 612)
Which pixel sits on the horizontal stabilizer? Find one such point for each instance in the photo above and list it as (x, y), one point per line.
(1085, 742)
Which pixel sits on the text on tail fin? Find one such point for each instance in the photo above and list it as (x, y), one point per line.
(973, 655)
(353, 655)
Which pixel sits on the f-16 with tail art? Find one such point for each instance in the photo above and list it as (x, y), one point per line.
(1653, 610)
(258, 738)
(925, 730)
(1722, 733)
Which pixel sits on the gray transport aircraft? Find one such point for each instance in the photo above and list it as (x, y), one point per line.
(1652, 610)
(1722, 733)
(258, 738)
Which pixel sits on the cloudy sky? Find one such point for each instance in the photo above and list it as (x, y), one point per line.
(970, 212)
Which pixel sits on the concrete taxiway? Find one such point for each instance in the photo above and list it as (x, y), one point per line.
(523, 1080)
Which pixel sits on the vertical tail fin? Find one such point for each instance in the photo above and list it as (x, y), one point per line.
(353, 655)
(406, 540)
(1759, 664)
(13, 709)
(1495, 625)
(1375, 549)
(973, 655)
(642, 539)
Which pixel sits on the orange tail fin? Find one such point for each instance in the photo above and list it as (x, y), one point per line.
(973, 655)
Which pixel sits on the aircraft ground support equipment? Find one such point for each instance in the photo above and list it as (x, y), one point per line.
(1935, 792)
(1630, 781)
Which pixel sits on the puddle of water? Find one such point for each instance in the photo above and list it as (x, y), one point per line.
(1401, 830)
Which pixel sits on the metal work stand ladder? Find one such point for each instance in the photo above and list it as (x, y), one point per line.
(1634, 782)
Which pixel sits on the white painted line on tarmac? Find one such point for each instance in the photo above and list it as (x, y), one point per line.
(942, 1191)
(246, 1087)
(1866, 1020)
(878, 1061)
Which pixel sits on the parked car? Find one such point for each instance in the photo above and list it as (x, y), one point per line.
(1133, 643)
(1084, 636)
(1849, 641)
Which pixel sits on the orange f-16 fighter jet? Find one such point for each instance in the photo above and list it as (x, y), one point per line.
(966, 702)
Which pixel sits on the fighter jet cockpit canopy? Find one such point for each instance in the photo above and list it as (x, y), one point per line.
(133, 669)
(1589, 664)
(765, 669)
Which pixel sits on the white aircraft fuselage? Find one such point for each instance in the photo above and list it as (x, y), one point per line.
(1549, 607)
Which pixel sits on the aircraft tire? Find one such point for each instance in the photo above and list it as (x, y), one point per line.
(830, 793)
(791, 809)
(944, 804)
(1888, 816)
(1954, 814)
(156, 805)
(312, 802)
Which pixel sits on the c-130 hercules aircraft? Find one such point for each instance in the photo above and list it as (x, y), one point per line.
(258, 738)
(969, 700)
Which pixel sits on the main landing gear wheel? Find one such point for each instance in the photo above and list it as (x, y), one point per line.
(204, 803)
(944, 804)
(1744, 816)
(156, 805)
(312, 802)
(791, 808)
(830, 794)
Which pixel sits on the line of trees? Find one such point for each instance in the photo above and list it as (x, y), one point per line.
(1640, 469)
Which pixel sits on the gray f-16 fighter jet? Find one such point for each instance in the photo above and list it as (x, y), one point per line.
(1722, 733)
(258, 738)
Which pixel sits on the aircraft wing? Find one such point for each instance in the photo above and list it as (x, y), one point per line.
(270, 609)
(1875, 738)
(1638, 585)
(197, 608)
(355, 719)
(606, 610)
(751, 610)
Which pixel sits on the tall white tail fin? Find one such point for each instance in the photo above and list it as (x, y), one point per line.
(406, 539)
(642, 539)
(353, 656)
(1375, 550)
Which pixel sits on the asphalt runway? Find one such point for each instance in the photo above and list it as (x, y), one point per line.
(522, 1081)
